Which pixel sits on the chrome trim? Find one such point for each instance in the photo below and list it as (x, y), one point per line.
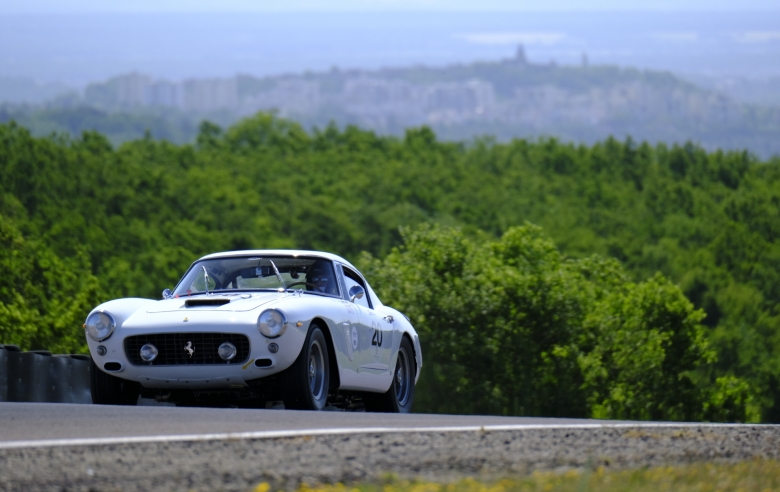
(110, 332)
(206, 278)
(284, 323)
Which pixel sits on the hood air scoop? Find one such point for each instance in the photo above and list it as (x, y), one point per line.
(206, 302)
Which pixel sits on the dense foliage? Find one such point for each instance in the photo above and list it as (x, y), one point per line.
(118, 126)
(513, 327)
(81, 222)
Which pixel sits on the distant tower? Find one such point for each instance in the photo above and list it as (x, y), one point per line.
(520, 58)
(584, 60)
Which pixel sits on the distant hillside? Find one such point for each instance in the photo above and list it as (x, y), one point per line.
(118, 126)
(505, 99)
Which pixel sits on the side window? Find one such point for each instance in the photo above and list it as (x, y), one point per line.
(350, 279)
(320, 278)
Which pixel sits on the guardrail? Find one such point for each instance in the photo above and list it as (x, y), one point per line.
(39, 376)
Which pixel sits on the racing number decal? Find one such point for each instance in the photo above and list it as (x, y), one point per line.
(377, 338)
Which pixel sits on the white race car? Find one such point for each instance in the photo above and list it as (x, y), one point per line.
(256, 328)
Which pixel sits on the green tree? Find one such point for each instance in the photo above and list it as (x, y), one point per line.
(513, 327)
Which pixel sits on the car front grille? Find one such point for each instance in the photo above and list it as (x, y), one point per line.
(172, 351)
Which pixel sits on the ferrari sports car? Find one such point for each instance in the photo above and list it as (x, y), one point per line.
(258, 328)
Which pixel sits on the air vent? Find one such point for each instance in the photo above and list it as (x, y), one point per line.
(219, 301)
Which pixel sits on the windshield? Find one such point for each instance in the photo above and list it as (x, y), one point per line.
(250, 273)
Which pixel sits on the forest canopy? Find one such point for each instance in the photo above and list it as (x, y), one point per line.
(670, 249)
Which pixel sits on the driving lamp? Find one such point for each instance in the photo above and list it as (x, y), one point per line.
(100, 326)
(148, 352)
(227, 351)
(272, 323)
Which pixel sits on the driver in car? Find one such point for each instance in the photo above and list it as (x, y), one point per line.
(321, 278)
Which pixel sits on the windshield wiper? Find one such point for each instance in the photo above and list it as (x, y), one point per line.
(278, 275)
(206, 279)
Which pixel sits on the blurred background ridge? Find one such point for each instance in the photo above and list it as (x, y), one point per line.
(662, 71)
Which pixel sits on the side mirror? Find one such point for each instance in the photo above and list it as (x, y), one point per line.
(356, 292)
(167, 294)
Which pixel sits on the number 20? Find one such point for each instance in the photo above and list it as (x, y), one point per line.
(377, 338)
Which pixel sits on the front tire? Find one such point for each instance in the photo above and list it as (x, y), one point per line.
(308, 379)
(400, 397)
(111, 390)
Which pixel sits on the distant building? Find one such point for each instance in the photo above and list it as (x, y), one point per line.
(164, 93)
(465, 97)
(209, 94)
(380, 100)
(287, 96)
(131, 89)
(364, 93)
(520, 58)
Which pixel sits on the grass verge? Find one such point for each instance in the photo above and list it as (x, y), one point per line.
(758, 475)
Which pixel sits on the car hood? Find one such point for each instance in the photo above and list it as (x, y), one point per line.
(216, 302)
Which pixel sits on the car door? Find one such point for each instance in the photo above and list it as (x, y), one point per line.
(374, 347)
(350, 334)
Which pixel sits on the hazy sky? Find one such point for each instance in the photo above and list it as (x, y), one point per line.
(80, 41)
(79, 6)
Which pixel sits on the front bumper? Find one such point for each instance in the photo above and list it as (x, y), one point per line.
(261, 362)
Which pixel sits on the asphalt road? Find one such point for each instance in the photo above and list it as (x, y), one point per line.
(54, 421)
(85, 448)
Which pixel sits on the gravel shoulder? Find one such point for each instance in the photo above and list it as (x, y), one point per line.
(237, 464)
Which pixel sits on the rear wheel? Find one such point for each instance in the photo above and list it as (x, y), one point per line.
(400, 396)
(308, 379)
(111, 390)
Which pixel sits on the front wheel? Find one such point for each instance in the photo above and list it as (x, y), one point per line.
(400, 396)
(308, 379)
(111, 390)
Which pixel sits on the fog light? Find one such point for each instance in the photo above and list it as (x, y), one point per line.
(149, 352)
(227, 351)
(273, 348)
(101, 350)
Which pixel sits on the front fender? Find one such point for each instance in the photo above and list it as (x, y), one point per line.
(122, 309)
(402, 324)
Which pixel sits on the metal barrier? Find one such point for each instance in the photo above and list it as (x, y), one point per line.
(39, 376)
(3, 374)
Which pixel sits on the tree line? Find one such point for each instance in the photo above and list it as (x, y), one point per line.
(618, 279)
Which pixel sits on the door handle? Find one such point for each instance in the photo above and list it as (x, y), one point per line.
(388, 318)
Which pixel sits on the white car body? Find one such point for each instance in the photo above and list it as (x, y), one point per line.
(353, 331)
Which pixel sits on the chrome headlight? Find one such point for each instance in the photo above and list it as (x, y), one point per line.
(227, 351)
(272, 323)
(148, 352)
(100, 326)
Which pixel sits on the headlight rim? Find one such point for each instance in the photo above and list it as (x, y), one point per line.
(281, 330)
(112, 325)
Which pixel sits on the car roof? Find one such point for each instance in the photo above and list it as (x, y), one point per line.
(279, 252)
